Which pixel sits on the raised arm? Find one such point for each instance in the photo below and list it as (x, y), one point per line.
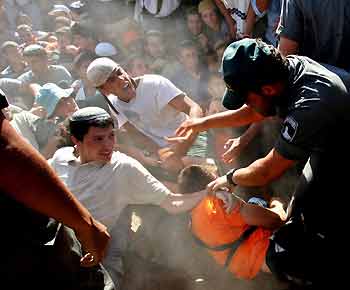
(176, 203)
(184, 104)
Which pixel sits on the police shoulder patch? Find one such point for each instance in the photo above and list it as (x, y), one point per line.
(289, 129)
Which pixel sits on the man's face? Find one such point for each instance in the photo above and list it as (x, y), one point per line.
(66, 107)
(97, 144)
(210, 18)
(82, 42)
(189, 58)
(194, 24)
(38, 64)
(263, 104)
(26, 35)
(154, 46)
(119, 84)
(138, 67)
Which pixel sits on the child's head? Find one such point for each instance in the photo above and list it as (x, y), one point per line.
(194, 178)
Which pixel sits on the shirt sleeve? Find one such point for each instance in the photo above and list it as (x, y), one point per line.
(167, 91)
(291, 22)
(303, 132)
(26, 77)
(143, 187)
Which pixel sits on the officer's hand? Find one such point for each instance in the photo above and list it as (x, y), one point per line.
(227, 199)
(217, 184)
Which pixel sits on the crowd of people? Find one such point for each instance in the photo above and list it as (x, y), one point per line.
(218, 108)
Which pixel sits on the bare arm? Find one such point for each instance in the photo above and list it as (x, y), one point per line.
(260, 173)
(183, 103)
(228, 18)
(263, 171)
(178, 203)
(138, 137)
(256, 215)
(26, 176)
(237, 118)
(250, 21)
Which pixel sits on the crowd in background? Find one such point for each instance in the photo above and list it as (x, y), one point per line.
(47, 46)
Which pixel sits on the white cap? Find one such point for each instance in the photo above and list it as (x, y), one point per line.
(105, 49)
(100, 70)
(59, 8)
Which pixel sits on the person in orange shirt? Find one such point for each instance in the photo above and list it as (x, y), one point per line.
(236, 233)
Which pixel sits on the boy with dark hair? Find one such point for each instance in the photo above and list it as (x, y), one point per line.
(106, 181)
(235, 232)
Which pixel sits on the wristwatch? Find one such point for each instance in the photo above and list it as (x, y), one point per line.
(229, 175)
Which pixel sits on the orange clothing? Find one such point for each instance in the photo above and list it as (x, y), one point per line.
(212, 225)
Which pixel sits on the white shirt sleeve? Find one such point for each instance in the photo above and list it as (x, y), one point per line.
(143, 188)
(167, 92)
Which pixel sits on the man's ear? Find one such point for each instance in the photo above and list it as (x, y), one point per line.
(75, 140)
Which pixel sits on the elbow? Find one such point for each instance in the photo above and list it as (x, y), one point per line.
(172, 207)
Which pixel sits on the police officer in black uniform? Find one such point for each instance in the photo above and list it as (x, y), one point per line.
(314, 105)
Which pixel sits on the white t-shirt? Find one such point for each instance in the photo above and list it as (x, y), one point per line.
(239, 10)
(106, 189)
(150, 111)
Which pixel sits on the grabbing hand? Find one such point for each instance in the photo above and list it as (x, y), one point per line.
(217, 184)
(233, 149)
(94, 241)
(227, 199)
(187, 130)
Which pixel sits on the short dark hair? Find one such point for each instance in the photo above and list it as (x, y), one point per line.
(84, 30)
(79, 129)
(83, 57)
(278, 68)
(194, 178)
(63, 19)
(8, 44)
(193, 10)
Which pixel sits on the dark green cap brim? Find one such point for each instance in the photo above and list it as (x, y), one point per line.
(232, 100)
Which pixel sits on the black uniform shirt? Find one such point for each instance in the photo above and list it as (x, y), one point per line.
(315, 108)
(3, 101)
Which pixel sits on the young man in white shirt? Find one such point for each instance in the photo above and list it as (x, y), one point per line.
(106, 181)
(150, 108)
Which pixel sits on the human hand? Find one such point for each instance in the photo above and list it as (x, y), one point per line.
(38, 111)
(203, 40)
(187, 130)
(233, 149)
(72, 49)
(94, 241)
(217, 184)
(227, 199)
(169, 160)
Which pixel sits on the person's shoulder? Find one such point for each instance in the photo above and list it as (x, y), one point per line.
(58, 68)
(63, 155)
(26, 75)
(149, 79)
(121, 159)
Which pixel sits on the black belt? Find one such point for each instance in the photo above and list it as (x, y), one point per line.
(232, 245)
